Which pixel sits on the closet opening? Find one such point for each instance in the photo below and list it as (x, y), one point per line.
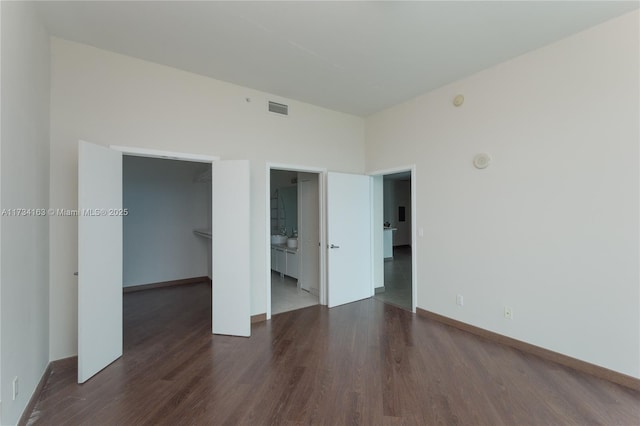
(166, 246)
(294, 223)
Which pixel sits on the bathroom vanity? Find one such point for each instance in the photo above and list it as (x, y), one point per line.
(284, 260)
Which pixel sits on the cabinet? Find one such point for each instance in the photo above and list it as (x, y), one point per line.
(292, 264)
(285, 261)
(278, 260)
(274, 259)
(281, 261)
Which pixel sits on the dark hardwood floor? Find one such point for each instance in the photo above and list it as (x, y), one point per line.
(364, 363)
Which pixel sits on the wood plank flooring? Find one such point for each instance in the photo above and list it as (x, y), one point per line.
(364, 363)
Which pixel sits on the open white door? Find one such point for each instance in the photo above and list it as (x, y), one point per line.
(309, 232)
(99, 258)
(231, 271)
(349, 238)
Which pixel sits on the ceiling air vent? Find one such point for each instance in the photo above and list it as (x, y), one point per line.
(278, 108)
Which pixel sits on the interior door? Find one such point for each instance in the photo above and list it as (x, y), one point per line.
(349, 238)
(309, 232)
(231, 271)
(99, 258)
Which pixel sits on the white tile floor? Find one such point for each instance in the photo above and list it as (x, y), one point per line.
(285, 295)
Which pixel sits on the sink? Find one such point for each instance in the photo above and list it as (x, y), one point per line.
(278, 239)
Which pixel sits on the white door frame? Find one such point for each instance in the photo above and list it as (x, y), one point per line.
(322, 179)
(170, 155)
(414, 245)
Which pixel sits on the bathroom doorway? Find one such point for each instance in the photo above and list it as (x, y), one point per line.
(294, 217)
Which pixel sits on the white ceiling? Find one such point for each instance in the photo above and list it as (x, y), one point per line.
(355, 57)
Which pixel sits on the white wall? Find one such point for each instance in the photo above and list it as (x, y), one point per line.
(283, 209)
(398, 193)
(287, 201)
(402, 197)
(106, 98)
(281, 178)
(309, 231)
(164, 206)
(24, 171)
(551, 227)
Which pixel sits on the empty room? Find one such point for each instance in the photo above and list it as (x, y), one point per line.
(330, 212)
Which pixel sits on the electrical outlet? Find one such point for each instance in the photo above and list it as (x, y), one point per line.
(508, 312)
(459, 300)
(15, 387)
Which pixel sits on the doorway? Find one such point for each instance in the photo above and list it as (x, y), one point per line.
(166, 238)
(167, 231)
(294, 218)
(100, 249)
(394, 264)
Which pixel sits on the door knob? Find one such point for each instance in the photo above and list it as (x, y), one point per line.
(334, 246)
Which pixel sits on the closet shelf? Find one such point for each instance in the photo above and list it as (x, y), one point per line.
(205, 233)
